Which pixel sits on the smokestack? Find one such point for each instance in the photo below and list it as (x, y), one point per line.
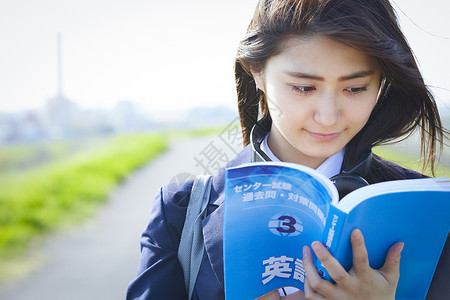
(59, 66)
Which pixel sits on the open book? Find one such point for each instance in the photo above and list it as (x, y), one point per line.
(273, 209)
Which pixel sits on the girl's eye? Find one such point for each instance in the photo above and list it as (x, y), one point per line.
(356, 90)
(303, 89)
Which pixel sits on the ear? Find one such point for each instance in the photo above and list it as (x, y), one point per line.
(258, 76)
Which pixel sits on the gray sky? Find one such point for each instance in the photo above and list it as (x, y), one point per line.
(161, 54)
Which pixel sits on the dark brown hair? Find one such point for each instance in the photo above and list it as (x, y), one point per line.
(368, 25)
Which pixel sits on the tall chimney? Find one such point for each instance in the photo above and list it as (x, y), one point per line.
(59, 66)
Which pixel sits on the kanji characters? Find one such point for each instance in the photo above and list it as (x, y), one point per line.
(277, 267)
(281, 267)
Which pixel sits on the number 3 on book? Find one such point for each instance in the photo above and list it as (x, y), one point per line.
(289, 222)
(285, 224)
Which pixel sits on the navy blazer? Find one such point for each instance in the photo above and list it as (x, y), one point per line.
(160, 275)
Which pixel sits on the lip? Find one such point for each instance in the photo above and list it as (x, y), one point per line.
(323, 137)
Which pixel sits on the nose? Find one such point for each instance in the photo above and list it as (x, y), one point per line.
(327, 112)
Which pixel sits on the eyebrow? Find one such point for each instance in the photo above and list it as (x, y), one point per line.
(359, 74)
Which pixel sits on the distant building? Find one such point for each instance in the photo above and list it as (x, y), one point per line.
(59, 114)
(32, 127)
(7, 127)
(129, 116)
(25, 126)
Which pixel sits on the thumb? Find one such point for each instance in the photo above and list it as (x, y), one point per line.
(391, 267)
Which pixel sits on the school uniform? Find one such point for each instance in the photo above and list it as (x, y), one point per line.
(160, 275)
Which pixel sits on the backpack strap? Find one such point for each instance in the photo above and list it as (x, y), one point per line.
(191, 249)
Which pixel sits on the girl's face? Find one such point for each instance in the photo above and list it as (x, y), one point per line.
(320, 95)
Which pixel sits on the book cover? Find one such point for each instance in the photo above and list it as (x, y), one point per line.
(273, 209)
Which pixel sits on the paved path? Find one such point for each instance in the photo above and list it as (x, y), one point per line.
(99, 259)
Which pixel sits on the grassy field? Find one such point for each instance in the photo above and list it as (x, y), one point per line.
(46, 186)
(22, 157)
(411, 161)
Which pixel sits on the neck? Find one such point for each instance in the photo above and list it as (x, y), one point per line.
(288, 153)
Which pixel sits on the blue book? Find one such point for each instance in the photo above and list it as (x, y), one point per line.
(273, 209)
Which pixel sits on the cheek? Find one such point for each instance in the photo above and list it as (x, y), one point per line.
(287, 113)
(359, 114)
(277, 102)
(284, 103)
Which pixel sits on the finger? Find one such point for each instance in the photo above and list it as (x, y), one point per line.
(298, 295)
(360, 257)
(310, 293)
(334, 268)
(273, 295)
(316, 283)
(391, 267)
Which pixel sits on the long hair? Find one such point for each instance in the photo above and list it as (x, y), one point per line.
(370, 26)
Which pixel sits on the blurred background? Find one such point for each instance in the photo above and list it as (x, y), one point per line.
(92, 91)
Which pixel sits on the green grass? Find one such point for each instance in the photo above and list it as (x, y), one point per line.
(36, 201)
(197, 132)
(410, 161)
(13, 157)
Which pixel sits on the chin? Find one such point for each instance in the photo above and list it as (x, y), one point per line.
(322, 152)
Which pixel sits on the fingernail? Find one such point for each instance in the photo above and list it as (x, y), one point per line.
(317, 247)
(401, 246)
(357, 234)
(306, 252)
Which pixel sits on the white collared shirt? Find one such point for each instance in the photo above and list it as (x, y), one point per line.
(330, 167)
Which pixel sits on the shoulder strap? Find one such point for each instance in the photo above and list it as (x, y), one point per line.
(191, 249)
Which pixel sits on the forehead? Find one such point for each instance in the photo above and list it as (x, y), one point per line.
(320, 55)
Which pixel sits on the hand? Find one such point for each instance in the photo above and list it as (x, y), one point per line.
(361, 282)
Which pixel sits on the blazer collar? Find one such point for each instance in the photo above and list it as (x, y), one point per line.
(218, 183)
(213, 223)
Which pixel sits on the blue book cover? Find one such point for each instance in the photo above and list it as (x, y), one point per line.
(273, 209)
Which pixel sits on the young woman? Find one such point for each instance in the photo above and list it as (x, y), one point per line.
(319, 83)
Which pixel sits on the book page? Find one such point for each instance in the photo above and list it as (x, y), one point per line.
(415, 215)
(425, 184)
